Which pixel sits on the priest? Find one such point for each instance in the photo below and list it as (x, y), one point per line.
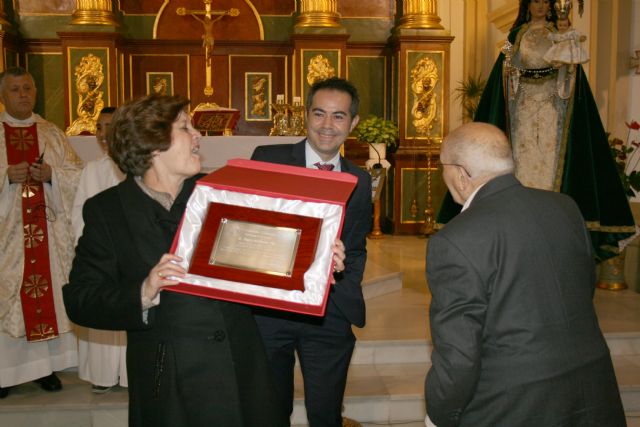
(39, 173)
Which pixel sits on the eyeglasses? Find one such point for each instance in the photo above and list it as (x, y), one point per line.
(440, 165)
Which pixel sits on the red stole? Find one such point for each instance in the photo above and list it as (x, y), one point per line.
(36, 292)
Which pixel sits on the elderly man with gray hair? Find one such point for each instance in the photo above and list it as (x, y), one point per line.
(515, 335)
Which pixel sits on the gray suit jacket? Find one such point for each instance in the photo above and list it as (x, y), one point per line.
(516, 338)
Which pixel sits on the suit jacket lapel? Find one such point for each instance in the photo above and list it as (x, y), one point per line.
(298, 153)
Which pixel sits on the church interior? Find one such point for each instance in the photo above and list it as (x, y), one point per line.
(246, 66)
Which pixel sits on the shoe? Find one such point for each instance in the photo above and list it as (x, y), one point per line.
(100, 389)
(4, 392)
(49, 383)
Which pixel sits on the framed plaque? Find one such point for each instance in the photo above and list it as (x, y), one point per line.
(262, 234)
(255, 246)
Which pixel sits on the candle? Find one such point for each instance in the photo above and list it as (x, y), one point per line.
(296, 100)
(280, 98)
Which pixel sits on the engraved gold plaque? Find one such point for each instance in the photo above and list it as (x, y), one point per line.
(256, 247)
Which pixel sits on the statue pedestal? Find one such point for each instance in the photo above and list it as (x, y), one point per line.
(611, 275)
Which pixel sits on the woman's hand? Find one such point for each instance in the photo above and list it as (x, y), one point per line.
(166, 272)
(338, 259)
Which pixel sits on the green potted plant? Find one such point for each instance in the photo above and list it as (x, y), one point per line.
(380, 134)
(468, 93)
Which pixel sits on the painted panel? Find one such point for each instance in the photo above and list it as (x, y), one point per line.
(46, 69)
(257, 97)
(159, 83)
(368, 75)
(176, 65)
(245, 70)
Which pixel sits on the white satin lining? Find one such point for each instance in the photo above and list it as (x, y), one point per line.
(315, 279)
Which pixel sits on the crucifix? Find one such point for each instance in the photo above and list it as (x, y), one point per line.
(209, 17)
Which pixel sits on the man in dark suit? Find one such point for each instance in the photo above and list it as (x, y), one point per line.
(515, 335)
(324, 345)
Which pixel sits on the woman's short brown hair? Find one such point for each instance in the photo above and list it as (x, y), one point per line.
(140, 127)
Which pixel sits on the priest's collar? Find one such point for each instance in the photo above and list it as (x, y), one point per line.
(6, 117)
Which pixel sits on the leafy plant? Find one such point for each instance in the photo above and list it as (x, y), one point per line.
(378, 130)
(627, 157)
(468, 93)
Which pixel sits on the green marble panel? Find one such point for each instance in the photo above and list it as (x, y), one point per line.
(414, 193)
(368, 29)
(138, 26)
(46, 70)
(43, 27)
(277, 28)
(368, 75)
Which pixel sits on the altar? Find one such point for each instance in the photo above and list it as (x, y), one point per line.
(214, 150)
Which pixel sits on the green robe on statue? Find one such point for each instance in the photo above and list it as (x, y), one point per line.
(557, 136)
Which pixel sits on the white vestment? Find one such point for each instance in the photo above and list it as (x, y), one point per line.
(101, 354)
(23, 361)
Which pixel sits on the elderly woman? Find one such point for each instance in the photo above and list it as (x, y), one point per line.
(191, 361)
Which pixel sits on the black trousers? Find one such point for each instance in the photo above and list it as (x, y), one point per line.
(324, 346)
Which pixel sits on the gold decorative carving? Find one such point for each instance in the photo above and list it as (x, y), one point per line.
(89, 78)
(296, 119)
(318, 13)
(289, 118)
(280, 118)
(420, 14)
(93, 12)
(319, 68)
(424, 77)
(209, 17)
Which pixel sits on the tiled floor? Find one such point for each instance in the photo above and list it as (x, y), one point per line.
(398, 319)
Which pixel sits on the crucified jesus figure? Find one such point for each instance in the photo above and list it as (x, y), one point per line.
(209, 17)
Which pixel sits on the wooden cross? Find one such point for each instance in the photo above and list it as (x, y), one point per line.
(635, 62)
(209, 17)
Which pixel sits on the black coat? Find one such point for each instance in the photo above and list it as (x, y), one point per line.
(347, 292)
(198, 361)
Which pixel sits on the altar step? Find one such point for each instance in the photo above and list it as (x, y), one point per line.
(384, 387)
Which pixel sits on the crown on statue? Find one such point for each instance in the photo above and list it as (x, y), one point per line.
(563, 8)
